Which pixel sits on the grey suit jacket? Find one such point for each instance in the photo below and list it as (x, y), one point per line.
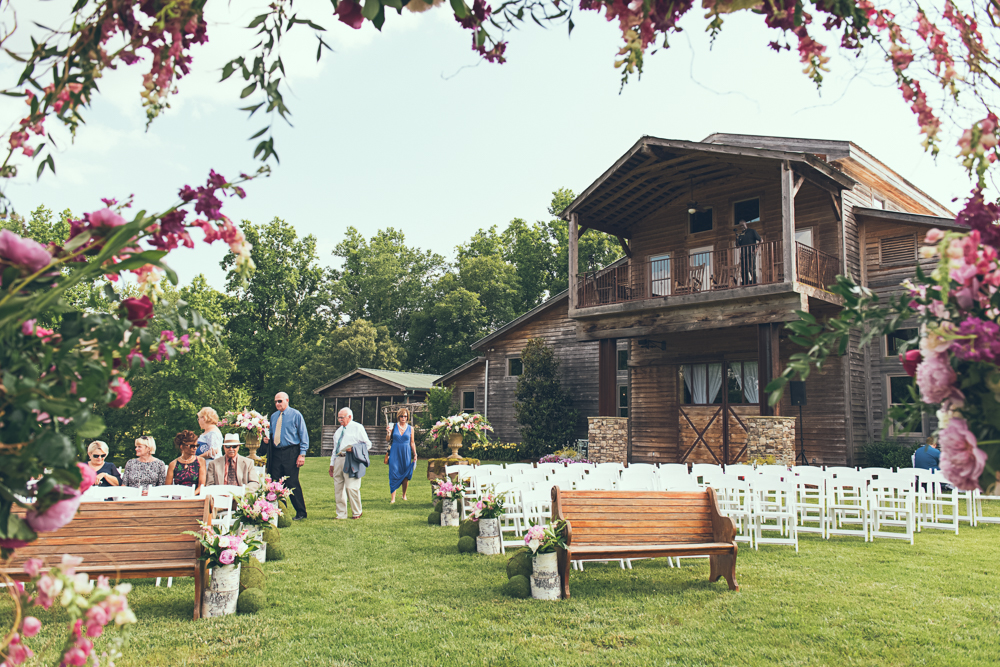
(246, 474)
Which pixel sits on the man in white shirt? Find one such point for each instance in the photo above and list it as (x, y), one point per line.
(348, 463)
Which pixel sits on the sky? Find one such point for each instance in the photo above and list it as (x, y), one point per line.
(407, 128)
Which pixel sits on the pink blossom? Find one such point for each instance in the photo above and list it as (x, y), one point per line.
(30, 626)
(17, 651)
(23, 252)
(89, 476)
(349, 12)
(123, 393)
(104, 218)
(56, 516)
(962, 461)
(7, 543)
(227, 557)
(75, 656)
(33, 566)
(936, 378)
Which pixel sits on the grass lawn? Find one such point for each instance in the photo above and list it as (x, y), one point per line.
(391, 590)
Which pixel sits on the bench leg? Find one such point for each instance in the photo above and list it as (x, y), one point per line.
(564, 569)
(724, 565)
(199, 587)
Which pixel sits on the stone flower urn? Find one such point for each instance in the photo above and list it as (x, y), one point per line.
(545, 577)
(253, 444)
(455, 444)
(220, 597)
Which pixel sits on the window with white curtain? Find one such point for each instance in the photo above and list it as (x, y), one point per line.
(703, 383)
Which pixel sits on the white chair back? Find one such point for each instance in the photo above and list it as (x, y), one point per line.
(99, 493)
(170, 492)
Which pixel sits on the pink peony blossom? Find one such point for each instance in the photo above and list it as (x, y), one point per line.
(56, 516)
(936, 378)
(23, 252)
(89, 476)
(962, 461)
(123, 393)
(30, 626)
(227, 557)
(910, 361)
(17, 651)
(33, 566)
(349, 12)
(104, 218)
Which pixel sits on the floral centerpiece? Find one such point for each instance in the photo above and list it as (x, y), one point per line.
(230, 548)
(250, 421)
(90, 606)
(546, 539)
(447, 490)
(274, 491)
(489, 506)
(458, 429)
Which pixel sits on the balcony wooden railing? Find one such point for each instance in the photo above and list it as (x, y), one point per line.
(759, 264)
(816, 267)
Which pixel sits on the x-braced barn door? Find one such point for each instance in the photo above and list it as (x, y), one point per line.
(715, 397)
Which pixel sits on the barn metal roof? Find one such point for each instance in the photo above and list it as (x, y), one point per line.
(399, 379)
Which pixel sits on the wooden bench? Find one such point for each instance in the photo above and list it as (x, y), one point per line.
(127, 540)
(609, 525)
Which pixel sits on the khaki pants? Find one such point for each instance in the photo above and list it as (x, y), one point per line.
(346, 488)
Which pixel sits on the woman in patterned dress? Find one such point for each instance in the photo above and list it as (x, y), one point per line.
(145, 470)
(210, 440)
(188, 469)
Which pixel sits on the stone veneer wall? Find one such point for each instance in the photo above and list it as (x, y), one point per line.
(608, 437)
(771, 436)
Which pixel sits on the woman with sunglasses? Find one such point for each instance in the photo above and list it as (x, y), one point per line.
(107, 472)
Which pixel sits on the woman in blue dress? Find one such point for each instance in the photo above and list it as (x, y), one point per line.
(402, 453)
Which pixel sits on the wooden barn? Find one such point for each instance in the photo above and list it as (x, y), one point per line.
(703, 314)
(499, 364)
(366, 391)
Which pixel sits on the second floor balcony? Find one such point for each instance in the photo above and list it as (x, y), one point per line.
(681, 274)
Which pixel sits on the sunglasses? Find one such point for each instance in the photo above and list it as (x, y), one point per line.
(230, 446)
(98, 456)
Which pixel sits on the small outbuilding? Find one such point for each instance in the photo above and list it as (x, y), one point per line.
(370, 393)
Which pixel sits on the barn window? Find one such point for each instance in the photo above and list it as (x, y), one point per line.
(468, 400)
(894, 341)
(369, 416)
(700, 221)
(702, 384)
(514, 366)
(623, 360)
(898, 249)
(623, 400)
(899, 394)
(748, 209)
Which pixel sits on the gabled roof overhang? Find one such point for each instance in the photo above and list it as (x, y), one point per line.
(657, 172)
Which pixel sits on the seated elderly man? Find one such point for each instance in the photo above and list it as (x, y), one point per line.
(233, 469)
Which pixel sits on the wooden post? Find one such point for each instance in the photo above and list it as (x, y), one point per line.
(322, 420)
(573, 260)
(767, 365)
(788, 220)
(607, 377)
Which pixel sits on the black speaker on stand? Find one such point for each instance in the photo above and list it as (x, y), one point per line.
(797, 396)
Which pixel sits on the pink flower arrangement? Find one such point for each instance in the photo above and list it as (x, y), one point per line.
(219, 549)
(474, 425)
(447, 489)
(489, 506)
(545, 539)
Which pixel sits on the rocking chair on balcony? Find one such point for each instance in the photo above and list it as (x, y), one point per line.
(695, 280)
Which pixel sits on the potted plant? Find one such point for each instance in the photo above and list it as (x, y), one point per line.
(224, 553)
(453, 431)
(250, 421)
(450, 493)
(487, 512)
(544, 543)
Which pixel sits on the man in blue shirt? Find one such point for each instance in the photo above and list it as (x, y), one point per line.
(289, 444)
(927, 457)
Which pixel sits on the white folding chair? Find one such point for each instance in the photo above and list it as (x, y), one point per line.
(875, 473)
(772, 469)
(892, 499)
(774, 511)
(490, 469)
(847, 504)
(100, 493)
(518, 468)
(810, 502)
(169, 492)
(735, 499)
(938, 502)
(638, 479)
(222, 500)
(739, 470)
(989, 500)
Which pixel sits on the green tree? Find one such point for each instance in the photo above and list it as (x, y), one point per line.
(441, 333)
(595, 249)
(271, 319)
(383, 280)
(528, 248)
(542, 407)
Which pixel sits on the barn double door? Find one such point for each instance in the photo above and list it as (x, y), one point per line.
(712, 429)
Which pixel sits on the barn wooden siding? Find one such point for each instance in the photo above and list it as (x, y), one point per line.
(358, 387)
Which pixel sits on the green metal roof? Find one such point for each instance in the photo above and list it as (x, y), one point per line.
(408, 380)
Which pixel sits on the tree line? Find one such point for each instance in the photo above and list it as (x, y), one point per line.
(296, 324)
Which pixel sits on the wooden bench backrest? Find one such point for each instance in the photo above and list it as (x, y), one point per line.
(123, 533)
(635, 517)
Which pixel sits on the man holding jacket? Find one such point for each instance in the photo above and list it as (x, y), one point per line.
(348, 463)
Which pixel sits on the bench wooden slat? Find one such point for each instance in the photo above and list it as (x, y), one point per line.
(644, 524)
(128, 540)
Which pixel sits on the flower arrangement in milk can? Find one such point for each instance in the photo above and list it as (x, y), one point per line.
(472, 427)
(255, 511)
(447, 489)
(546, 539)
(225, 548)
(489, 506)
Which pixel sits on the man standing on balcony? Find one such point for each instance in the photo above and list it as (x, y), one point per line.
(747, 240)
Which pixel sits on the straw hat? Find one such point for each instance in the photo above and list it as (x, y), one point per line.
(231, 439)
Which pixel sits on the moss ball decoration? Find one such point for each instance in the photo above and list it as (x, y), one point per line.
(467, 545)
(284, 521)
(272, 536)
(434, 518)
(468, 527)
(439, 506)
(517, 587)
(519, 564)
(251, 601)
(275, 552)
(252, 575)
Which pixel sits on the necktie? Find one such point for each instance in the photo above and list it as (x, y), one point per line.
(231, 472)
(343, 432)
(277, 430)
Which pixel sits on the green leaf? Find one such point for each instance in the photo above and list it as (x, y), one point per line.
(371, 9)
(92, 428)
(228, 70)
(18, 529)
(262, 131)
(55, 450)
(257, 21)
(248, 90)
(460, 8)
(379, 19)
(77, 241)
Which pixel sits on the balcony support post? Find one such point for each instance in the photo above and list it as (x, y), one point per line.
(607, 377)
(767, 364)
(788, 220)
(574, 263)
